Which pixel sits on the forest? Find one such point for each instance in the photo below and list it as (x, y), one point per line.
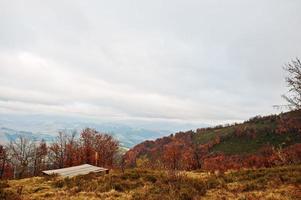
(259, 142)
(25, 157)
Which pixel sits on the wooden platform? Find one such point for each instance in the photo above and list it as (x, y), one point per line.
(76, 170)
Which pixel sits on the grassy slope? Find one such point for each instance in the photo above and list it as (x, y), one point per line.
(274, 183)
(264, 128)
(237, 145)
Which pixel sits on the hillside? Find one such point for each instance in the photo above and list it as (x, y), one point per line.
(280, 183)
(259, 136)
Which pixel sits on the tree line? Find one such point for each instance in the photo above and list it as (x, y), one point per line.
(24, 157)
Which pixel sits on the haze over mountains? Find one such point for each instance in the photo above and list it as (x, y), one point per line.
(129, 133)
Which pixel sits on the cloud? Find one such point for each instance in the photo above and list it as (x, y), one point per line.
(201, 61)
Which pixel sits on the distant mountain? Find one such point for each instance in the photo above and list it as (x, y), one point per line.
(127, 136)
(7, 134)
(47, 127)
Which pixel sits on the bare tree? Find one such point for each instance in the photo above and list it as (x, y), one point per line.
(64, 151)
(39, 157)
(72, 150)
(87, 139)
(21, 151)
(294, 84)
(3, 160)
(57, 151)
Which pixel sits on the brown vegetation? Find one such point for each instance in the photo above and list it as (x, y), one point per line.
(24, 157)
(259, 142)
(280, 183)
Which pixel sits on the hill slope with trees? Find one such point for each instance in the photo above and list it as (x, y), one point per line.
(258, 142)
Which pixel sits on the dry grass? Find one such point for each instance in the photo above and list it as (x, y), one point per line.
(275, 183)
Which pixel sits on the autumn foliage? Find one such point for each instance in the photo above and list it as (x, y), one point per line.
(91, 148)
(276, 140)
(24, 157)
(259, 142)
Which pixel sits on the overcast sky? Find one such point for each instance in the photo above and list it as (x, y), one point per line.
(206, 61)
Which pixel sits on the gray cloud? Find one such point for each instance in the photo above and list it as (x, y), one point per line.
(199, 61)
